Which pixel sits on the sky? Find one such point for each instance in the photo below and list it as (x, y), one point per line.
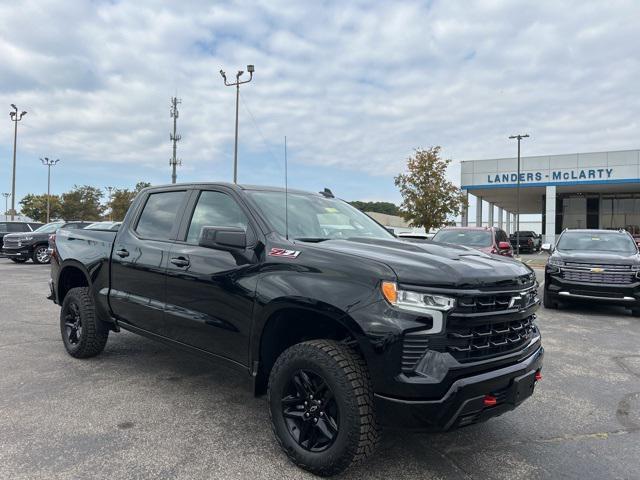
(355, 86)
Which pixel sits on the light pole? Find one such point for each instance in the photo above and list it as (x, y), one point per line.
(237, 83)
(519, 137)
(15, 118)
(49, 164)
(110, 190)
(6, 196)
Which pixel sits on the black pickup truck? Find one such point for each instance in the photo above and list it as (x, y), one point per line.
(345, 327)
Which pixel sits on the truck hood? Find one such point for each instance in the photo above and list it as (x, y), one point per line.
(599, 258)
(438, 264)
(23, 235)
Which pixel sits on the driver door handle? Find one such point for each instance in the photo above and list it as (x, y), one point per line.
(122, 253)
(180, 261)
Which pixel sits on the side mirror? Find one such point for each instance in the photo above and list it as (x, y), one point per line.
(223, 238)
(546, 247)
(504, 245)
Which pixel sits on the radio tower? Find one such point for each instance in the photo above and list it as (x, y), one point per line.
(174, 137)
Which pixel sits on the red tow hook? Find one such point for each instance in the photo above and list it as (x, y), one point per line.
(538, 376)
(490, 400)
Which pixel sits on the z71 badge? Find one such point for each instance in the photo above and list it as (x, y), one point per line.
(282, 252)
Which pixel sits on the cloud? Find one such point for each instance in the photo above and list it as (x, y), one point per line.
(355, 86)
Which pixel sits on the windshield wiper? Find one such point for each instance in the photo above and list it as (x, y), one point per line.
(312, 239)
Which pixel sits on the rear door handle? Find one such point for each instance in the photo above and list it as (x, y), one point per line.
(122, 253)
(180, 261)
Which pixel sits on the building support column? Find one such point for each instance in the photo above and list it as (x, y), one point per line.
(490, 218)
(500, 217)
(550, 215)
(508, 223)
(464, 220)
(478, 211)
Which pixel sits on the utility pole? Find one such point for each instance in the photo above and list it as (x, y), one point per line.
(519, 137)
(15, 118)
(6, 196)
(49, 164)
(110, 190)
(174, 137)
(237, 83)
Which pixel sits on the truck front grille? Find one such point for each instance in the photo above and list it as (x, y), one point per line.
(466, 342)
(606, 276)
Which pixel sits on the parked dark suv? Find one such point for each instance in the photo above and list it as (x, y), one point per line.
(20, 247)
(596, 265)
(16, 227)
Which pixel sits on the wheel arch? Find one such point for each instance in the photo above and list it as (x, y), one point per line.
(287, 321)
(72, 274)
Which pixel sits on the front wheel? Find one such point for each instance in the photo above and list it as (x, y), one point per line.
(321, 406)
(41, 254)
(549, 302)
(83, 334)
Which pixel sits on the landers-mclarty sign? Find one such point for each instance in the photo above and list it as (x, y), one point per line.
(554, 176)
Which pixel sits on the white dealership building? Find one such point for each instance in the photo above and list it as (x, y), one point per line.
(580, 190)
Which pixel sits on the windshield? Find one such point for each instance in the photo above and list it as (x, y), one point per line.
(49, 227)
(316, 218)
(597, 242)
(468, 238)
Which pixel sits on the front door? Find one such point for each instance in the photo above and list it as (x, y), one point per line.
(210, 292)
(140, 256)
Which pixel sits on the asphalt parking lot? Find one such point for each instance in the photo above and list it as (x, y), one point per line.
(144, 410)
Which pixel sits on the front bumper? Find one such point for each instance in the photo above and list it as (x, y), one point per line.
(463, 404)
(627, 294)
(21, 252)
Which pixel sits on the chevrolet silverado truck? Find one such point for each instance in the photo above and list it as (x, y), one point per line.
(345, 327)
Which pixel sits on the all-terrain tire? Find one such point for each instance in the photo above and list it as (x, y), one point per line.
(78, 310)
(345, 373)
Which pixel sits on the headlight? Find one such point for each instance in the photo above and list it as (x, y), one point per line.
(558, 262)
(416, 301)
(27, 238)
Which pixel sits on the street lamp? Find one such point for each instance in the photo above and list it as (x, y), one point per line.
(15, 118)
(237, 83)
(6, 196)
(519, 137)
(49, 164)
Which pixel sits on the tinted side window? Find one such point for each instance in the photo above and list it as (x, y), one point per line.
(159, 215)
(17, 227)
(215, 209)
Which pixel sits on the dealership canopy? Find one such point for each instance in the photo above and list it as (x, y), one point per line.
(580, 190)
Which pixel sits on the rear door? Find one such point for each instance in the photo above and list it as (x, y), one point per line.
(210, 292)
(139, 260)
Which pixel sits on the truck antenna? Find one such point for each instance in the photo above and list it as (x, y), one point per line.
(286, 193)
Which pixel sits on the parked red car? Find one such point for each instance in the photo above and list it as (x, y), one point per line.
(486, 239)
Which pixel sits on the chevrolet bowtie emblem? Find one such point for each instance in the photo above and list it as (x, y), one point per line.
(597, 270)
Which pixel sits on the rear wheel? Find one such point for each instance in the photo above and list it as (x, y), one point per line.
(635, 312)
(18, 260)
(83, 334)
(321, 406)
(41, 255)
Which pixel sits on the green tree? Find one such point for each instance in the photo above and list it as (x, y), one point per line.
(380, 207)
(82, 203)
(122, 198)
(35, 207)
(429, 199)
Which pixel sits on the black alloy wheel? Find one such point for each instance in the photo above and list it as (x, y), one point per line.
(310, 411)
(73, 323)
